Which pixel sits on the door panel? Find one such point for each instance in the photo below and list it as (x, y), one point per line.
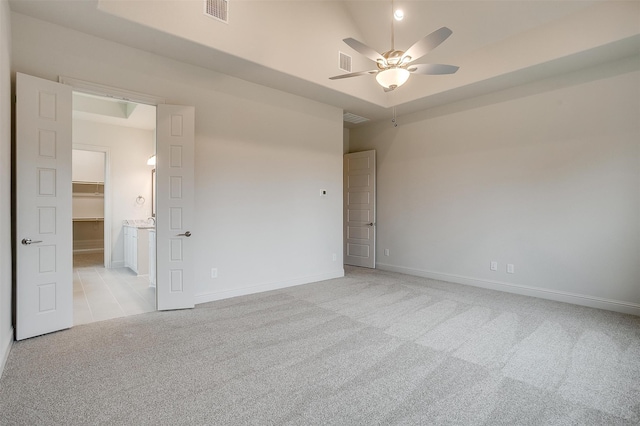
(44, 264)
(175, 280)
(360, 209)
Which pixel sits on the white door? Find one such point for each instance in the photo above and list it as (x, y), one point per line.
(175, 279)
(360, 209)
(44, 263)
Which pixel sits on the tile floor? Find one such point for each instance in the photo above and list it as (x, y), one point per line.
(101, 294)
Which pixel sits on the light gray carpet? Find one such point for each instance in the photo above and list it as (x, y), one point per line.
(372, 348)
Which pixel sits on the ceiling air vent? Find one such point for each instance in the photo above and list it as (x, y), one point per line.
(344, 62)
(218, 9)
(352, 118)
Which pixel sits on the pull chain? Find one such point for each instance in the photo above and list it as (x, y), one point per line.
(393, 120)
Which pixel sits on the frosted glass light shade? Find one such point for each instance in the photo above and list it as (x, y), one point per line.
(392, 77)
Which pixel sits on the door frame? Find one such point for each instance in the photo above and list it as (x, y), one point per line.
(109, 92)
(371, 153)
(97, 89)
(107, 195)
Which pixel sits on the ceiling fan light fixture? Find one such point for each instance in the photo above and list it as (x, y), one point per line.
(392, 77)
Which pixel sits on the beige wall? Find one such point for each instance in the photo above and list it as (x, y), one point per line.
(87, 166)
(262, 157)
(545, 177)
(6, 329)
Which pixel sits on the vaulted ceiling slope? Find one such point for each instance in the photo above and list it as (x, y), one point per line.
(293, 45)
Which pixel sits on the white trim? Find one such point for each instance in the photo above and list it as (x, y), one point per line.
(117, 264)
(107, 196)
(555, 295)
(268, 286)
(109, 92)
(5, 348)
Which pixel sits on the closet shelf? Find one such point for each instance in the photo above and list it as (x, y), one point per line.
(87, 194)
(87, 189)
(88, 219)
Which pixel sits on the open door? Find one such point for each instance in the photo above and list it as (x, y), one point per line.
(175, 280)
(360, 209)
(44, 263)
(44, 260)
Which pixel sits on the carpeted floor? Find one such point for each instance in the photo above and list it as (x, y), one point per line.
(373, 348)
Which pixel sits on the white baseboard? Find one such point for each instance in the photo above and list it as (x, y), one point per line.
(268, 286)
(5, 348)
(558, 296)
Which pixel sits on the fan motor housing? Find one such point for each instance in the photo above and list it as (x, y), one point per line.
(392, 58)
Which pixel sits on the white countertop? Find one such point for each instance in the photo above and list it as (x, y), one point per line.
(139, 223)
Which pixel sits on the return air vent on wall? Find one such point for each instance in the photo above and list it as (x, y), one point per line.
(344, 62)
(218, 9)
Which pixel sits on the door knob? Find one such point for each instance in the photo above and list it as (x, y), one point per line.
(27, 241)
(370, 224)
(186, 234)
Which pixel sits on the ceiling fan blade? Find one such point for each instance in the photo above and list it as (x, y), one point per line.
(364, 49)
(427, 43)
(432, 69)
(353, 74)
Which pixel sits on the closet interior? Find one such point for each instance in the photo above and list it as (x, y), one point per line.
(88, 207)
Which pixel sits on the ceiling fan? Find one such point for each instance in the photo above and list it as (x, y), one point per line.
(395, 66)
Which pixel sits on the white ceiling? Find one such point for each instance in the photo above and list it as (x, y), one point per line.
(293, 45)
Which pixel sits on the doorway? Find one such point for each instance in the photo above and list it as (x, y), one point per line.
(43, 223)
(359, 209)
(113, 216)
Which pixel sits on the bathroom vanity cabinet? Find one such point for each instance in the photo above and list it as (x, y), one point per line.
(136, 249)
(152, 257)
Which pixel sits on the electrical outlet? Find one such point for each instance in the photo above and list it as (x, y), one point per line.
(323, 192)
(335, 257)
(386, 252)
(214, 272)
(510, 268)
(494, 265)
